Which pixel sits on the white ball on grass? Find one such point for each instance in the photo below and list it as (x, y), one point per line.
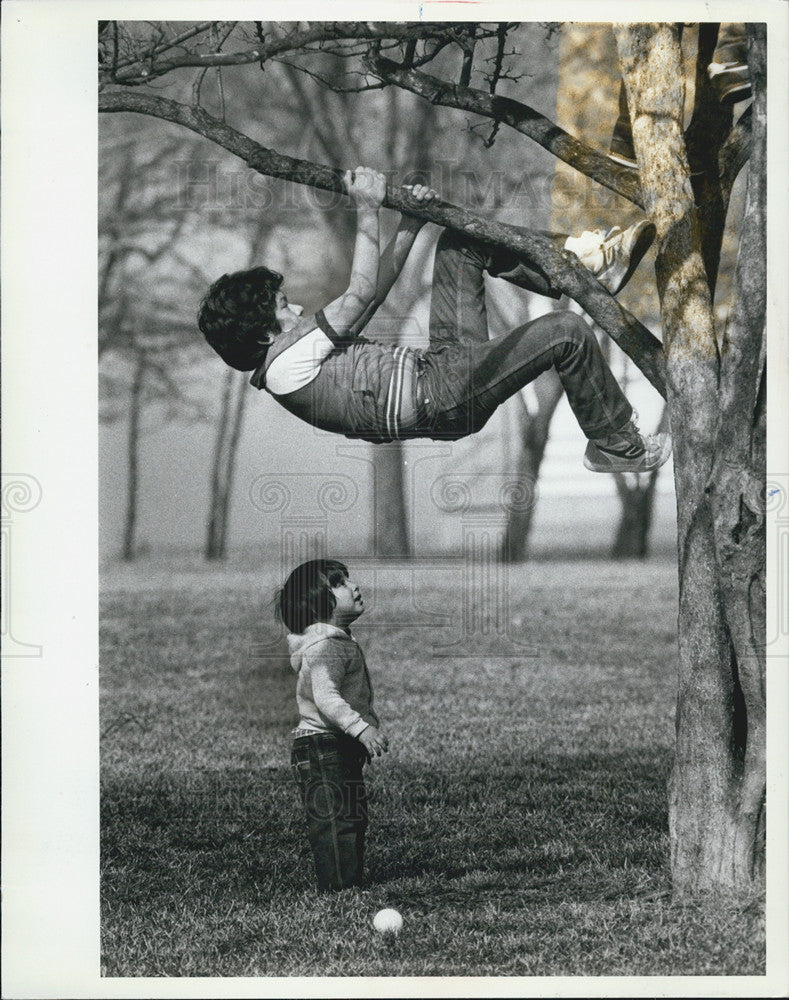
(388, 922)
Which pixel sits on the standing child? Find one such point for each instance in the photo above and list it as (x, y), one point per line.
(338, 728)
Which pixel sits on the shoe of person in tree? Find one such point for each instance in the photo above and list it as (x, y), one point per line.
(628, 450)
(613, 256)
(731, 81)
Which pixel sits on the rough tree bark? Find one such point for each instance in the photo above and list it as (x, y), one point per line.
(737, 485)
(716, 790)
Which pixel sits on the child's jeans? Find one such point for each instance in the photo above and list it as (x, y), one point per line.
(465, 376)
(328, 769)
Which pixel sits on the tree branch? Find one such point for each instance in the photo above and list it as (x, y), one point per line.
(143, 69)
(518, 116)
(563, 269)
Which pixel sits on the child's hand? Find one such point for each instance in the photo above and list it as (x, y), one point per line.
(367, 187)
(420, 194)
(416, 195)
(375, 742)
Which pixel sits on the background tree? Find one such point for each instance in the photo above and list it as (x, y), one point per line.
(142, 335)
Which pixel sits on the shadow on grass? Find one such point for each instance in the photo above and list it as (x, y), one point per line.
(590, 824)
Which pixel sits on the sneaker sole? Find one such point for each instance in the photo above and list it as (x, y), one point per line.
(645, 237)
(622, 161)
(735, 93)
(614, 464)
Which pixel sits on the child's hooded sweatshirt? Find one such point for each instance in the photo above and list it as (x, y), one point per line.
(333, 690)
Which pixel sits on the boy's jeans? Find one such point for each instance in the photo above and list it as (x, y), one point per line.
(465, 375)
(328, 770)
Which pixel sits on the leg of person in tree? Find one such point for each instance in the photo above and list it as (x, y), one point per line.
(621, 148)
(466, 376)
(728, 74)
(728, 69)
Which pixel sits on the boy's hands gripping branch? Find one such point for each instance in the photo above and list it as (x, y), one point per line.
(367, 187)
(420, 194)
(374, 741)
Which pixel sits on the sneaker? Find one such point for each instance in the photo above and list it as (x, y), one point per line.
(628, 450)
(613, 256)
(731, 81)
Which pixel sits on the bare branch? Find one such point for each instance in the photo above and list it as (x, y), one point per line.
(328, 84)
(144, 67)
(499, 57)
(468, 61)
(198, 29)
(518, 116)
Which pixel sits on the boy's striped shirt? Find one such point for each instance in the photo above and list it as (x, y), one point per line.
(399, 398)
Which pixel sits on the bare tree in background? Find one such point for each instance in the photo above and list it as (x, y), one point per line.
(143, 336)
(715, 392)
(228, 430)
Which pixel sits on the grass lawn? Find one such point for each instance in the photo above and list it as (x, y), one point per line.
(518, 823)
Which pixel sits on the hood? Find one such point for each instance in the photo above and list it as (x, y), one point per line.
(299, 641)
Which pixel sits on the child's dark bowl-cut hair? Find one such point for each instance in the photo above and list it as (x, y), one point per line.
(238, 316)
(307, 595)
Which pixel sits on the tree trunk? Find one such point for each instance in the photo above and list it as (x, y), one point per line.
(638, 503)
(242, 395)
(390, 530)
(533, 434)
(133, 455)
(715, 802)
(216, 514)
(228, 434)
(223, 465)
(635, 519)
(737, 486)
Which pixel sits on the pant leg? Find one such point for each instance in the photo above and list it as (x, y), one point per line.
(358, 809)
(488, 374)
(732, 44)
(328, 770)
(457, 302)
(622, 137)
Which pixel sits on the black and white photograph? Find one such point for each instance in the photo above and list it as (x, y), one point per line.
(395, 500)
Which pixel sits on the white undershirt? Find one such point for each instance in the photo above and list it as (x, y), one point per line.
(299, 364)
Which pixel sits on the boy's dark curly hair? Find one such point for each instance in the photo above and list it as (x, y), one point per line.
(237, 316)
(307, 595)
